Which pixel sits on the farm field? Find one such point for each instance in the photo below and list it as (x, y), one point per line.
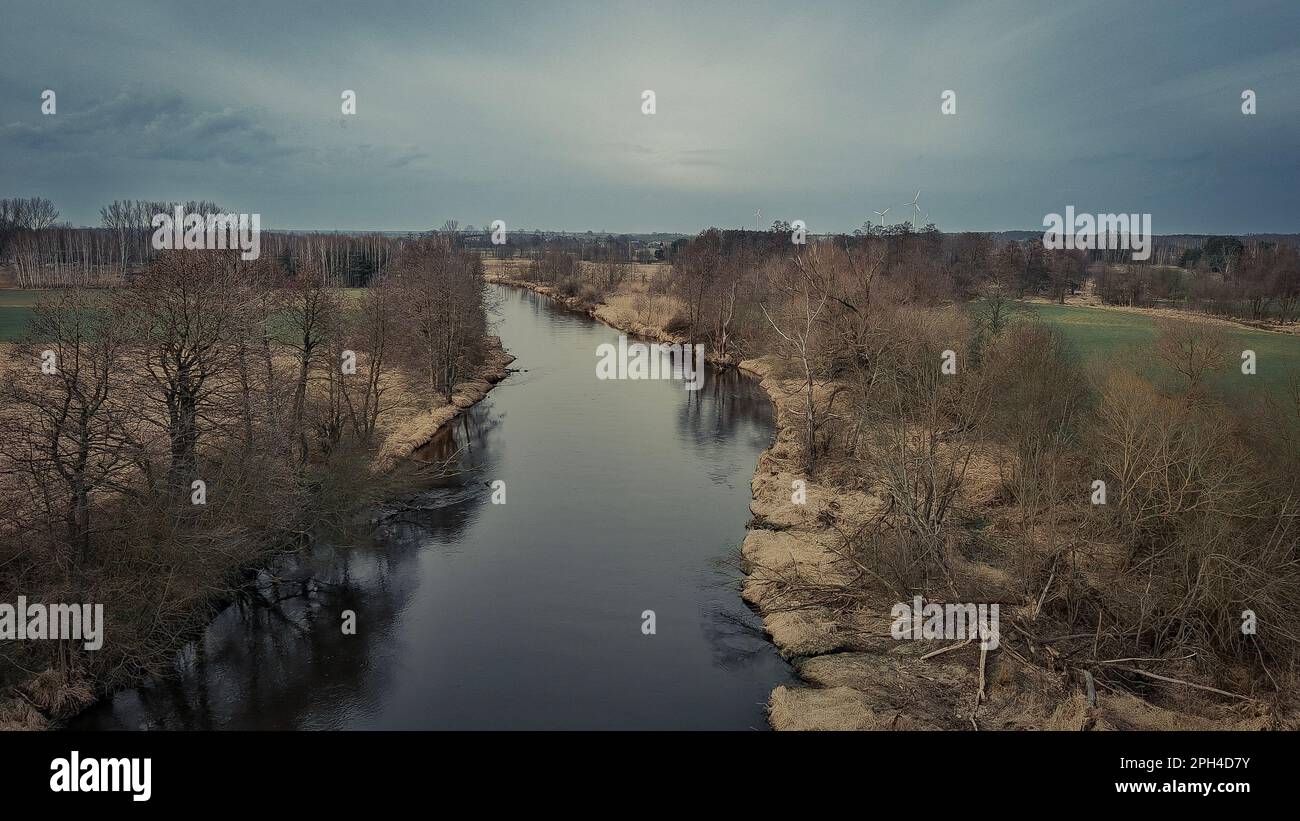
(1100, 332)
(13, 321)
(14, 307)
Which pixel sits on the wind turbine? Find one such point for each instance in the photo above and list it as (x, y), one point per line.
(914, 201)
(758, 220)
(881, 214)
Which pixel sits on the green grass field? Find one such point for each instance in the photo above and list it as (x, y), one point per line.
(13, 321)
(15, 310)
(15, 306)
(19, 298)
(1101, 332)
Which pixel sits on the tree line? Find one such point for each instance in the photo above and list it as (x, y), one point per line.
(41, 252)
(1257, 280)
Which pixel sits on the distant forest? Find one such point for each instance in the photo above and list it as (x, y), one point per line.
(1255, 277)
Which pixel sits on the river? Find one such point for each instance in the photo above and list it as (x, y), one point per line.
(620, 497)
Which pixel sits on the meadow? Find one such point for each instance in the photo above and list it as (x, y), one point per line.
(15, 306)
(15, 311)
(1125, 336)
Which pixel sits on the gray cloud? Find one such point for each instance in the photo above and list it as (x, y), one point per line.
(136, 125)
(531, 113)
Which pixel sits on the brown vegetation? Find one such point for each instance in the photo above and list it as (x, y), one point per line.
(977, 486)
(194, 424)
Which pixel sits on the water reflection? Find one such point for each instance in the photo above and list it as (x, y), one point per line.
(621, 497)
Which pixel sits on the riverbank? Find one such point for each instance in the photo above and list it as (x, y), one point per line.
(853, 680)
(442, 582)
(41, 699)
(406, 434)
(616, 311)
(855, 674)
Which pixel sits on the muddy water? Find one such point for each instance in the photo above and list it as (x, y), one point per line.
(620, 497)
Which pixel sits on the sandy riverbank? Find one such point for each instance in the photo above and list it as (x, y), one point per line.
(856, 675)
(408, 432)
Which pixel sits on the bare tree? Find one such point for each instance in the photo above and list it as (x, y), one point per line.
(441, 292)
(374, 324)
(182, 314)
(63, 436)
(310, 315)
(1194, 350)
(804, 303)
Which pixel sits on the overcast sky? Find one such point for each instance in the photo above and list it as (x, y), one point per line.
(531, 112)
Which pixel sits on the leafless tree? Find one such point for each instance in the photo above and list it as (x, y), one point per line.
(441, 292)
(182, 314)
(64, 437)
(374, 325)
(310, 314)
(1193, 350)
(803, 304)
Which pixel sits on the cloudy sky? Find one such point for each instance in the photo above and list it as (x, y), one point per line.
(531, 112)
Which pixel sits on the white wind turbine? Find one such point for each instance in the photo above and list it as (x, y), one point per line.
(913, 203)
(758, 219)
(883, 219)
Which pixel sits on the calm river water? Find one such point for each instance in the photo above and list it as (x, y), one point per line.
(621, 497)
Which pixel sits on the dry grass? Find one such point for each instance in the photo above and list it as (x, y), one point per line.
(412, 427)
(823, 607)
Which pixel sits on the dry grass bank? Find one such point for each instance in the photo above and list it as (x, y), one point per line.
(808, 584)
(406, 430)
(857, 675)
(634, 307)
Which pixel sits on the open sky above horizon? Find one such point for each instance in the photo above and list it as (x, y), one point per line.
(532, 113)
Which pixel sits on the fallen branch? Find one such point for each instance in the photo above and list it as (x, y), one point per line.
(942, 650)
(1172, 680)
(984, 652)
